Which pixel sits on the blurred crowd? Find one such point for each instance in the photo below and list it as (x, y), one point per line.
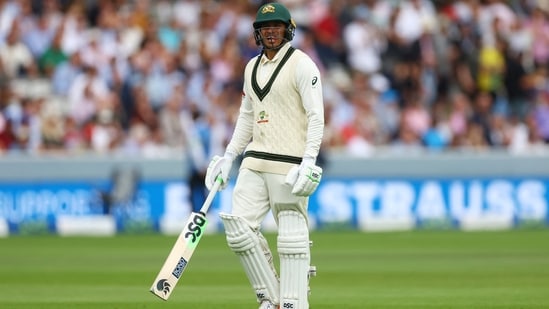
(150, 78)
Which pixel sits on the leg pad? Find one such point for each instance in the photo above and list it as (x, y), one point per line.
(252, 250)
(294, 251)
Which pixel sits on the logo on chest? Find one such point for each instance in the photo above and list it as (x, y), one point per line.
(263, 117)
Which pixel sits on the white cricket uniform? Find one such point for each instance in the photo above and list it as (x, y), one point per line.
(281, 121)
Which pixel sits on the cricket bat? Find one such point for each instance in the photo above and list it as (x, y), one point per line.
(183, 249)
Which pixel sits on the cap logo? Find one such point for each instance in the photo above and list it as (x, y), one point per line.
(268, 9)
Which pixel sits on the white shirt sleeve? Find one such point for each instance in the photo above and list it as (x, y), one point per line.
(310, 88)
(243, 131)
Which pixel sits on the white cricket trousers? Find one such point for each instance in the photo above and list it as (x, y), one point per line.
(255, 193)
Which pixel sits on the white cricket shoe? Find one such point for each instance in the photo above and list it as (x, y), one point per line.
(267, 305)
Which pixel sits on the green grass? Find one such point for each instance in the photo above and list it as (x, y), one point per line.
(420, 269)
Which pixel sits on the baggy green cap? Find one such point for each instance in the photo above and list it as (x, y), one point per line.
(272, 12)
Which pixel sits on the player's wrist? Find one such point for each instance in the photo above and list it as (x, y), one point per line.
(307, 160)
(229, 156)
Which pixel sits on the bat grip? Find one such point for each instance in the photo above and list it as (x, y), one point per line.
(211, 195)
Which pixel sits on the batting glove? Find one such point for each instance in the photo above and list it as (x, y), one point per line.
(219, 167)
(305, 178)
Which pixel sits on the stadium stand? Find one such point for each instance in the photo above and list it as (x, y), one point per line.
(408, 76)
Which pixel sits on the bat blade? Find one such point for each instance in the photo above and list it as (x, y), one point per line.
(179, 256)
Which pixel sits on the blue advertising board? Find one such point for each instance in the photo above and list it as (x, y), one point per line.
(426, 202)
(362, 204)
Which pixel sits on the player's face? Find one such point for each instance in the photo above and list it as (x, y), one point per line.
(272, 34)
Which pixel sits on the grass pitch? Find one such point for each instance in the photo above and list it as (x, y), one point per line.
(419, 269)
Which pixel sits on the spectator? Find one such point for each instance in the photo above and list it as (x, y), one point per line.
(7, 136)
(74, 26)
(491, 68)
(73, 137)
(540, 115)
(65, 73)
(105, 132)
(9, 10)
(52, 56)
(416, 117)
(16, 57)
(362, 133)
(475, 139)
(39, 35)
(438, 136)
(364, 43)
(516, 81)
(327, 32)
(538, 25)
(460, 112)
(52, 130)
(27, 128)
(406, 142)
(458, 62)
(483, 104)
(169, 121)
(87, 94)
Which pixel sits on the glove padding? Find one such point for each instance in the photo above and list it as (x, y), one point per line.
(219, 166)
(304, 178)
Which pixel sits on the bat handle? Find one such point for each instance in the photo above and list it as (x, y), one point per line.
(211, 195)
